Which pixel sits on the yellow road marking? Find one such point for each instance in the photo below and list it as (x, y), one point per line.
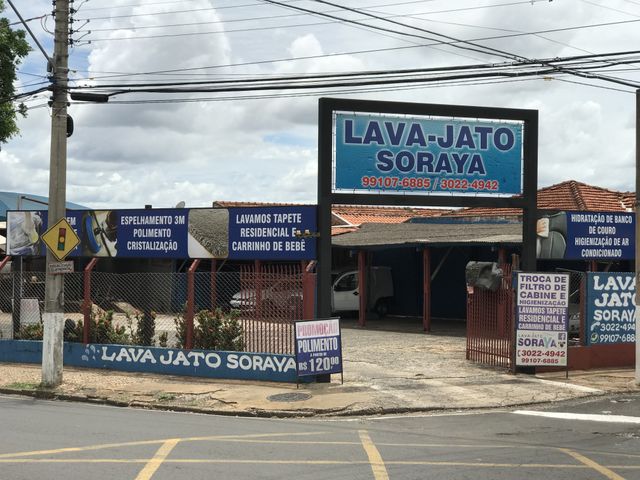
(375, 459)
(153, 442)
(152, 465)
(610, 474)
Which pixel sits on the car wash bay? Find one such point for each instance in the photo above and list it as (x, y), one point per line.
(440, 247)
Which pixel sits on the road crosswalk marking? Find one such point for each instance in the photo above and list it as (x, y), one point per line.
(589, 417)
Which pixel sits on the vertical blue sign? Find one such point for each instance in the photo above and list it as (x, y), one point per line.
(318, 347)
(425, 156)
(610, 308)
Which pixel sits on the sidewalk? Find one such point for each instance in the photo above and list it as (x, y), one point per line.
(385, 372)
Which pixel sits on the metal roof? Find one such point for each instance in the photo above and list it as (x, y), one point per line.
(10, 201)
(409, 234)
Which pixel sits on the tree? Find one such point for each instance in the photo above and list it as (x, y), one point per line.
(13, 48)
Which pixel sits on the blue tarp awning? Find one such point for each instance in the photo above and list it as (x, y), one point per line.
(26, 201)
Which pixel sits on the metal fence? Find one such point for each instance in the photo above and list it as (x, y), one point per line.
(490, 319)
(251, 308)
(490, 323)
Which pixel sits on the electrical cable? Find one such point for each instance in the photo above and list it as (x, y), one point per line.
(502, 53)
(575, 60)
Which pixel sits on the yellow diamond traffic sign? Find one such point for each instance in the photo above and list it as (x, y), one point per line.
(60, 239)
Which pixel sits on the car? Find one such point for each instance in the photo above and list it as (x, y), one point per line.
(281, 296)
(286, 295)
(345, 291)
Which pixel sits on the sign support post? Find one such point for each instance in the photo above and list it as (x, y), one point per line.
(637, 256)
(54, 284)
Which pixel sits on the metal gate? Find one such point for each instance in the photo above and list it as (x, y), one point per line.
(490, 323)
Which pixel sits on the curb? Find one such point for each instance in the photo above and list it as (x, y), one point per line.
(47, 394)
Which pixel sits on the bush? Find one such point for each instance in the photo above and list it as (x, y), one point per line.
(34, 331)
(212, 331)
(144, 329)
(102, 329)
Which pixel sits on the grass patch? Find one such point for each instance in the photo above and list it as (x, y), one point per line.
(23, 386)
(165, 397)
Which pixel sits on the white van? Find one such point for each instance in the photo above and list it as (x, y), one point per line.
(345, 292)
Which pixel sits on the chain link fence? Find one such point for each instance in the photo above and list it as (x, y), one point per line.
(248, 309)
(577, 309)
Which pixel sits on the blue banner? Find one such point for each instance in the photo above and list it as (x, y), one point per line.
(318, 347)
(168, 361)
(610, 308)
(424, 156)
(586, 236)
(267, 233)
(256, 233)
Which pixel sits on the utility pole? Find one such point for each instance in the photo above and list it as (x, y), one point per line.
(54, 286)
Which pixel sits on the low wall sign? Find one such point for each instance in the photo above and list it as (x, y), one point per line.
(542, 319)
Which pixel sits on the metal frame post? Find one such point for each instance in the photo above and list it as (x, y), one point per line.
(214, 284)
(308, 292)
(257, 269)
(637, 253)
(426, 289)
(86, 304)
(362, 288)
(191, 302)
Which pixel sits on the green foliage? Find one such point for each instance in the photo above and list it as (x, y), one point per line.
(103, 330)
(23, 386)
(142, 328)
(13, 48)
(33, 331)
(212, 331)
(231, 335)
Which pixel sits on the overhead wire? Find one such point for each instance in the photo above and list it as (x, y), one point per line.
(357, 52)
(301, 94)
(496, 5)
(473, 44)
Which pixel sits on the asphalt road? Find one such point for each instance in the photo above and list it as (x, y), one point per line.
(51, 440)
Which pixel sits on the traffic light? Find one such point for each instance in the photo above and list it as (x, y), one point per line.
(62, 237)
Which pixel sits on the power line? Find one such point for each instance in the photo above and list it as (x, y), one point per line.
(473, 45)
(237, 20)
(136, 5)
(580, 61)
(174, 12)
(329, 55)
(303, 94)
(470, 44)
(434, 12)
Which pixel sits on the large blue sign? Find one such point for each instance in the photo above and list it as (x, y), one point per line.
(169, 361)
(278, 234)
(586, 236)
(611, 311)
(269, 233)
(318, 347)
(425, 155)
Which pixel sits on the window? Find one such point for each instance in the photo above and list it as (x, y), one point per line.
(347, 283)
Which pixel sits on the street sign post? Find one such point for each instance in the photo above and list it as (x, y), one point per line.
(61, 239)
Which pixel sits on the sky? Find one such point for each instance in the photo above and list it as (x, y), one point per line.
(265, 149)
